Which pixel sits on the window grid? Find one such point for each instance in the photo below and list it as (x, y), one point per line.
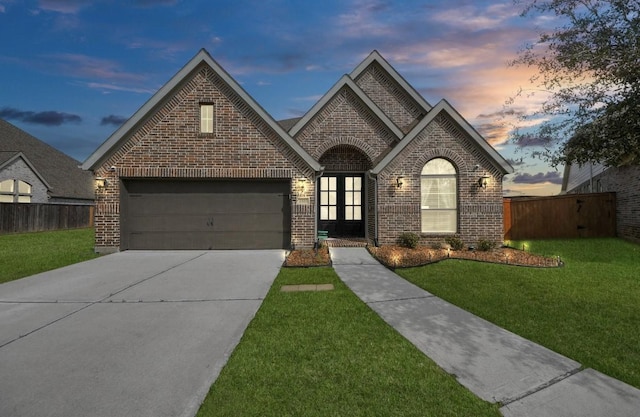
(328, 198)
(206, 118)
(439, 197)
(353, 198)
(15, 191)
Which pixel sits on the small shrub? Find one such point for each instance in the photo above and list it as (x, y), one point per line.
(485, 245)
(455, 242)
(409, 240)
(436, 245)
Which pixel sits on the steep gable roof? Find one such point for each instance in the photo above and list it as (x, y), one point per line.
(345, 81)
(7, 158)
(60, 173)
(444, 107)
(375, 57)
(116, 139)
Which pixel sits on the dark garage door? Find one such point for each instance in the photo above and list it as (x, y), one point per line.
(160, 214)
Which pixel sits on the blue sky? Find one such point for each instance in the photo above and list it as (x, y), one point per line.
(71, 71)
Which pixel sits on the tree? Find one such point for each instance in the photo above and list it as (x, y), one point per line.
(590, 67)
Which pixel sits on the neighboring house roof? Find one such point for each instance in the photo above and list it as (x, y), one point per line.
(8, 157)
(444, 106)
(60, 173)
(287, 124)
(120, 135)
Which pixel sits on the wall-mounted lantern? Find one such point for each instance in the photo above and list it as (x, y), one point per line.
(399, 181)
(301, 186)
(101, 183)
(483, 181)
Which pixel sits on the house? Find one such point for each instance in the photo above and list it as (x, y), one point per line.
(202, 165)
(33, 172)
(623, 180)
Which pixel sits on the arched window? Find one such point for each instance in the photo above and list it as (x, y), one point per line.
(15, 191)
(439, 191)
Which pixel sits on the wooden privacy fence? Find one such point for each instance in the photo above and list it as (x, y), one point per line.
(563, 216)
(19, 217)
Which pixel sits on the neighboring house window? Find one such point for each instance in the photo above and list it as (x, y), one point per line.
(15, 191)
(439, 192)
(206, 118)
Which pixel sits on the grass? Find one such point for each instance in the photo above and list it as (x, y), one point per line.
(328, 354)
(587, 310)
(26, 254)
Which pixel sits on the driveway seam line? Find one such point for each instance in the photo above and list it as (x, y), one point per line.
(401, 299)
(91, 303)
(543, 386)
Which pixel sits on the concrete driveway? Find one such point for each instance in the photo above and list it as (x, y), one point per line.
(136, 333)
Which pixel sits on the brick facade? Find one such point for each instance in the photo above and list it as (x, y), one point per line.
(344, 133)
(625, 182)
(20, 170)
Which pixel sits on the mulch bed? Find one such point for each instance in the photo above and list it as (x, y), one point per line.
(400, 257)
(308, 257)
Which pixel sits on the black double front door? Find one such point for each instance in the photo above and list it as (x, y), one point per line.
(341, 205)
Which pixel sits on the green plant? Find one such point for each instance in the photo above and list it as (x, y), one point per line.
(436, 245)
(409, 240)
(44, 251)
(485, 245)
(587, 310)
(455, 242)
(344, 364)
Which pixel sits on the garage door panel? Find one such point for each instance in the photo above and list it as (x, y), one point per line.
(167, 204)
(205, 214)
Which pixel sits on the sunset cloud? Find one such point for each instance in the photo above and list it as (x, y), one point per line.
(46, 118)
(552, 177)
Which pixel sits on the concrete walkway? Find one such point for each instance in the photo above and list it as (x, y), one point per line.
(496, 365)
(135, 333)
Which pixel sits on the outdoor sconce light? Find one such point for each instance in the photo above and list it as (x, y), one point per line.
(399, 181)
(301, 187)
(483, 181)
(101, 183)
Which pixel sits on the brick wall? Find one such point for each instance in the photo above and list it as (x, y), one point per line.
(625, 182)
(479, 210)
(390, 97)
(168, 144)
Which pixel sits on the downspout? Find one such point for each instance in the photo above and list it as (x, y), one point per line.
(375, 207)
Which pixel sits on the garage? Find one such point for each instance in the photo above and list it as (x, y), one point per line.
(224, 214)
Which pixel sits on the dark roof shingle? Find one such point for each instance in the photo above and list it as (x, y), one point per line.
(62, 173)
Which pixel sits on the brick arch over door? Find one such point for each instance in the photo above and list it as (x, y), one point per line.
(345, 158)
(360, 145)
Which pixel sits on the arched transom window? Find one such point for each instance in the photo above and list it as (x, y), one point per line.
(439, 191)
(15, 191)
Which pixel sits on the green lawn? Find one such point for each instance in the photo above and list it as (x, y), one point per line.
(26, 254)
(328, 354)
(588, 310)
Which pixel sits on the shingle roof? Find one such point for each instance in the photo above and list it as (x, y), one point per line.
(61, 172)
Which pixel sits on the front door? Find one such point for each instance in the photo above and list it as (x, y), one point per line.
(341, 208)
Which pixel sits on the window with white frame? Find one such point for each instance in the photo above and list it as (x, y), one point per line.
(439, 195)
(15, 191)
(206, 118)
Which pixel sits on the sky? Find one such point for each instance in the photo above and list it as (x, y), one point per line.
(72, 71)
